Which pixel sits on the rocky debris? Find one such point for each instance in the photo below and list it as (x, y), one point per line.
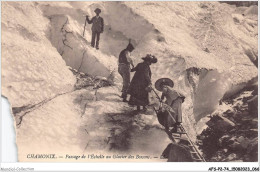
(241, 3)
(233, 134)
(177, 153)
(253, 103)
(221, 123)
(85, 80)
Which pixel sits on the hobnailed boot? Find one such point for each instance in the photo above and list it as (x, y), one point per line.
(144, 108)
(174, 129)
(179, 128)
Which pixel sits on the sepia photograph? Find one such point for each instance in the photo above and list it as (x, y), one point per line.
(126, 81)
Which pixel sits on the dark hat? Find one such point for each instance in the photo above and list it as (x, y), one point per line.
(150, 58)
(130, 47)
(163, 81)
(97, 10)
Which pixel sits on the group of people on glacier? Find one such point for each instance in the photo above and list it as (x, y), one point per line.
(140, 85)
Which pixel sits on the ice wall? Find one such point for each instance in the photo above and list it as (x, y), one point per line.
(32, 70)
(208, 90)
(65, 34)
(76, 51)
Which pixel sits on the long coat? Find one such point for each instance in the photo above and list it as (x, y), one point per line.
(139, 83)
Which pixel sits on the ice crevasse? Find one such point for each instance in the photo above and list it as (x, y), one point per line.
(199, 46)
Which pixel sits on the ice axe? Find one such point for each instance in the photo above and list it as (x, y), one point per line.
(85, 25)
(158, 97)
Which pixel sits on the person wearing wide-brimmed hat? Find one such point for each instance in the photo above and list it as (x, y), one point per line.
(139, 86)
(124, 63)
(173, 98)
(97, 28)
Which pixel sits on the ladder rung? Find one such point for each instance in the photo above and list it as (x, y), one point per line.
(179, 138)
(181, 133)
(176, 137)
(198, 161)
(195, 156)
(175, 134)
(191, 145)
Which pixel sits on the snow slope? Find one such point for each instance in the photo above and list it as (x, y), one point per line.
(202, 46)
(77, 123)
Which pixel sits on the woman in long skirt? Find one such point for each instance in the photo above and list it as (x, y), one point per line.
(141, 82)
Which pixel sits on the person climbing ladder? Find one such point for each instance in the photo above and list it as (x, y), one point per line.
(174, 99)
(97, 28)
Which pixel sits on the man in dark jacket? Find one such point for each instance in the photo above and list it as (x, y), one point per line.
(124, 63)
(97, 27)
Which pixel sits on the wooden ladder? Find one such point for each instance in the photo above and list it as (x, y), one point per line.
(195, 154)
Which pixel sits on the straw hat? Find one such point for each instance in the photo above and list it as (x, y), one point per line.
(163, 81)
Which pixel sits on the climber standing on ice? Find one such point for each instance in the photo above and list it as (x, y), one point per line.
(141, 83)
(97, 27)
(124, 63)
(173, 98)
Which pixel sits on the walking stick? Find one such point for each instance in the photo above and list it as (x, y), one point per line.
(85, 25)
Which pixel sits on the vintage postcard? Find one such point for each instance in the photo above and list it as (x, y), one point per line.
(132, 81)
